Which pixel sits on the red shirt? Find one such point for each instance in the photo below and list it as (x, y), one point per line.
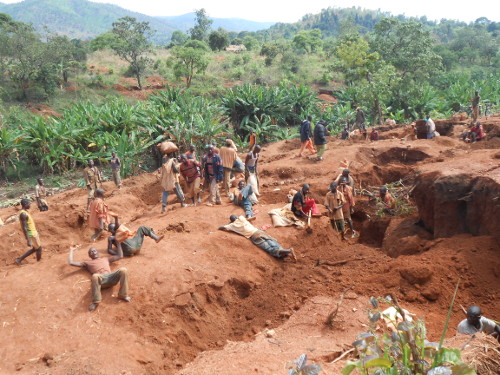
(190, 171)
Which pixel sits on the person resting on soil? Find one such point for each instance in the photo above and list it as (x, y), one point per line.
(348, 207)
(349, 180)
(302, 205)
(102, 277)
(190, 171)
(374, 135)
(270, 245)
(99, 214)
(345, 133)
(387, 199)
(41, 195)
(476, 133)
(30, 233)
(334, 201)
(241, 197)
(477, 323)
(129, 241)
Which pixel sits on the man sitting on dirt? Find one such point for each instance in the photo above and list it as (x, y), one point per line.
(190, 170)
(476, 133)
(374, 135)
(30, 233)
(388, 201)
(93, 179)
(345, 133)
(477, 323)
(241, 197)
(349, 180)
(129, 241)
(334, 201)
(102, 277)
(348, 207)
(98, 217)
(260, 238)
(41, 195)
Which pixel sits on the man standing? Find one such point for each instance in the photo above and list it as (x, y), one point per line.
(213, 174)
(430, 127)
(477, 323)
(192, 152)
(475, 106)
(360, 122)
(40, 195)
(30, 233)
(334, 201)
(102, 277)
(348, 207)
(269, 244)
(169, 178)
(129, 241)
(93, 179)
(349, 180)
(99, 214)
(251, 168)
(305, 136)
(320, 134)
(388, 201)
(242, 198)
(115, 169)
(228, 155)
(190, 170)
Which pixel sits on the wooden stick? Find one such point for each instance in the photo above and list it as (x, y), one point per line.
(343, 355)
(331, 317)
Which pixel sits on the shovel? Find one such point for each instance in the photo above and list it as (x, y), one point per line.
(308, 227)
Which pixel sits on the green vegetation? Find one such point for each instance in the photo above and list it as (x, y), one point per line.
(300, 367)
(403, 350)
(392, 67)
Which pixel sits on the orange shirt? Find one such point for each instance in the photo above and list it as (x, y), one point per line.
(348, 197)
(98, 210)
(123, 233)
(389, 200)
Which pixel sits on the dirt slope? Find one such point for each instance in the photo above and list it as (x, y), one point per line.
(202, 289)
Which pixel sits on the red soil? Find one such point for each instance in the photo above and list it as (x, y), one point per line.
(202, 298)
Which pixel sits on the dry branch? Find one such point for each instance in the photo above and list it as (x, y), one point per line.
(331, 317)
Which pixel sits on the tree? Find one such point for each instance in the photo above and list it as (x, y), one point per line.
(218, 40)
(103, 41)
(191, 59)
(132, 44)
(250, 42)
(308, 40)
(202, 26)
(178, 38)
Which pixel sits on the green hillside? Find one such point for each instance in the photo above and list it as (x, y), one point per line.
(80, 19)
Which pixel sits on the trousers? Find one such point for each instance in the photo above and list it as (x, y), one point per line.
(107, 280)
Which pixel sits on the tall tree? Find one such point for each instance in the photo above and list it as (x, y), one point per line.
(190, 60)
(132, 44)
(202, 26)
(218, 40)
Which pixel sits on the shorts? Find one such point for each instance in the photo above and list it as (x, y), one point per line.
(35, 242)
(347, 214)
(193, 188)
(90, 192)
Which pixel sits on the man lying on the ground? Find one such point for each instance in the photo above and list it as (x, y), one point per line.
(477, 323)
(259, 238)
(129, 241)
(102, 277)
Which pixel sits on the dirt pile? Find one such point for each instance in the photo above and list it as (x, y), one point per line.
(210, 297)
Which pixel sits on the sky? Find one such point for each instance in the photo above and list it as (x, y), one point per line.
(293, 10)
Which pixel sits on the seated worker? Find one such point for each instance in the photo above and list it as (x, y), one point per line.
(345, 133)
(477, 323)
(334, 201)
(260, 238)
(241, 197)
(476, 133)
(388, 200)
(129, 241)
(301, 204)
(374, 134)
(102, 277)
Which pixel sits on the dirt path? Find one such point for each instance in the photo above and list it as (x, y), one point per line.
(206, 291)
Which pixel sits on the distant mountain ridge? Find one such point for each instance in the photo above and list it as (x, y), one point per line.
(84, 19)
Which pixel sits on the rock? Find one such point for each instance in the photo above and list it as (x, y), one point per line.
(269, 333)
(183, 300)
(416, 275)
(431, 293)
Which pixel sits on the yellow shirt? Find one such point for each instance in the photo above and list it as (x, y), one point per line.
(228, 156)
(32, 232)
(334, 200)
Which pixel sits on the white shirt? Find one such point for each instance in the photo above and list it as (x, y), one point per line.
(485, 325)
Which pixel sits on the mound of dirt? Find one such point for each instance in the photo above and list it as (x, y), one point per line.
(209, 301)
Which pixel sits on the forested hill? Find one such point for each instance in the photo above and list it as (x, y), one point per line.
(80, 19)
(83, 19)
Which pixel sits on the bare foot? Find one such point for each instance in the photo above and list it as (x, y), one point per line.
(160, 238)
